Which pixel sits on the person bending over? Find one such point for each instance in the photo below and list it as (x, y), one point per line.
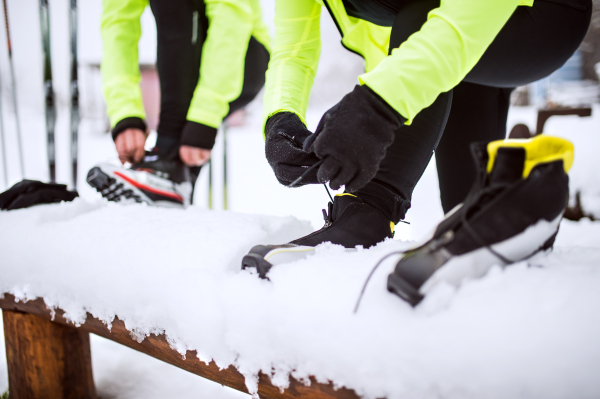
(438, 78)
(211, 59)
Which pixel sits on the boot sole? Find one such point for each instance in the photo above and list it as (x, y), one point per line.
(255, 261)
(477, 263)
(115, 186)
(264, 257)
(114, 190)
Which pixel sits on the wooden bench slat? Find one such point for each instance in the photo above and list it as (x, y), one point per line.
(158, 347)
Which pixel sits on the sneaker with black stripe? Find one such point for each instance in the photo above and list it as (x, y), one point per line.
(512, 212)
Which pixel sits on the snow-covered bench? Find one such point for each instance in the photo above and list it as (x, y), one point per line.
(523, 332)
(45, 353)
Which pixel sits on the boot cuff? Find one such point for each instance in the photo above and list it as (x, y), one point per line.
(391, 205)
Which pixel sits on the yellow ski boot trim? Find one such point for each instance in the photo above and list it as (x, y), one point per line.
(538, 150)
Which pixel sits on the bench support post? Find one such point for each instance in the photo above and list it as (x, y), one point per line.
(45, 359)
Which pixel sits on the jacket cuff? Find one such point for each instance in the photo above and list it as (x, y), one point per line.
(198, 135)
(128, 123)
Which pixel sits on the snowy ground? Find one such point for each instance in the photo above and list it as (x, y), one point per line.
(499, 336)
(528, 331)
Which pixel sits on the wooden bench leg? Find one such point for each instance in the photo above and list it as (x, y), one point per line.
(45, 359)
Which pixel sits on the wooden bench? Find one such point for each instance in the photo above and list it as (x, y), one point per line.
(521, 131)
(48, 357)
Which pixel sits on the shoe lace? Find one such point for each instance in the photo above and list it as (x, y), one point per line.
(364, 288)
(326, 216)
(303, 175)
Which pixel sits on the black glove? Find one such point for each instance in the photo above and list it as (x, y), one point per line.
(285, 134)
(27, 193)
(352, 138)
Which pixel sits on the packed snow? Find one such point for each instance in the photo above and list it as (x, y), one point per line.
(527, 331)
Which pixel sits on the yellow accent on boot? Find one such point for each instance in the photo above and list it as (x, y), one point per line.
(538, 150)
(341, 195)
(392, 226)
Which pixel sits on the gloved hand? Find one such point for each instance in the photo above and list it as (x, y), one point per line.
(285, 134)
(352, 138)
(27, 193)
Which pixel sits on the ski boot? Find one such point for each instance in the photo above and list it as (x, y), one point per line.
(349, 221)
(158, 181)
(512, 212)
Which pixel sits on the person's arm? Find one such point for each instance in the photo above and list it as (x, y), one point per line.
(230, 24)
(440, 55)
(293, 65)
(121, 31)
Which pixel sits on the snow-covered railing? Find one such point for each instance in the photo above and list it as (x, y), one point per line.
(45, 353)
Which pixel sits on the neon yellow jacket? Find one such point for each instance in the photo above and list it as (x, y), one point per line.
(231, 24)
(432, 61)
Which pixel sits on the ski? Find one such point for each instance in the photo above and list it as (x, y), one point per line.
(74, 91)
(50, 103)
(14, 90)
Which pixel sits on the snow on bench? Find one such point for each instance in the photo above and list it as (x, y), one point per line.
(168, 282)
(46, 353)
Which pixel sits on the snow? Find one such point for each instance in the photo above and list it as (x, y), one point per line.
(527, 331)
(178, 273)
(499, 336)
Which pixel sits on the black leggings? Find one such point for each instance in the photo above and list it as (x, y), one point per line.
(535, 42)
(181, 28)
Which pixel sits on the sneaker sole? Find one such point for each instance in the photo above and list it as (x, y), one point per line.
(115, 186)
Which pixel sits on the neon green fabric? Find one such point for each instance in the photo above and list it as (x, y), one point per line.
(295, 56)
(440, 55)
(121, 30)
(231, 24)
(430, 62)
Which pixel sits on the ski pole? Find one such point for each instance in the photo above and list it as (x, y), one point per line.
(210, 202)
(4, 162)
(74, 91)
(50, 106)
(14, 90)
(225, 126)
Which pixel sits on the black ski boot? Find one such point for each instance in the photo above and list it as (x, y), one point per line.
(349, 221)
(512, 212)
(158, 181)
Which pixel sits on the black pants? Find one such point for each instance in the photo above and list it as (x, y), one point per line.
(535, 42)
(181, 28)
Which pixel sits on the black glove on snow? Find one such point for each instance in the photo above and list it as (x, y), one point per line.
(285, 134)
(352, 138)
(27, 193)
